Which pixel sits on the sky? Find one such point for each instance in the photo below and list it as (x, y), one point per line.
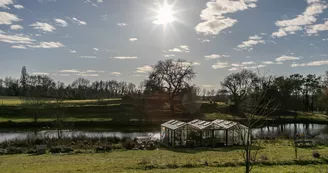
(122, 39)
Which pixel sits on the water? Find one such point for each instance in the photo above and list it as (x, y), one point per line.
(311, 131)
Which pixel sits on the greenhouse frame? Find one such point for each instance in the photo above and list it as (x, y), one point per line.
(200, 133)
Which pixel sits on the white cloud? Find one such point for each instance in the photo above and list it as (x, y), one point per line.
(185, 48)
(95, 49)
(182, 48)
(261, 66)
(255, 37)
(214, 26)
(88, 57)
(125, 57)
(115, 73)
(43, 27)
(69, 71)
(18, 6)
(169, 55)
(122, 24)
(213, 17)
(315, 29)
(61, 22)
(218, 65)
(40, 73)
(5, 3)
(93, 71)
(47, 45)
(87, 74)
(215, 56)
(72, 51)
(16, 39)
(77, 21)
(313, 63)
(252, 41)
(18, 47)
(144, 69)
(248, 63)
(7, 18)
(236, 65)
(205, 41)
(233, 69)
(286, 58)
(16, 27)
(268, 62)
(133, 39)
(175, 50)
(308, 17)
(189, 63)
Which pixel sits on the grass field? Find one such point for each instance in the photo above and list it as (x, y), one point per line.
(16, 101)
(280, 155)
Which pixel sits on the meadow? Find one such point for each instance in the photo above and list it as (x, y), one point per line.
(273, 156)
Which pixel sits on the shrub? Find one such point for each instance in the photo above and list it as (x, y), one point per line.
(100, 149)
(129, 144)
(31, 151)
(56, 149)
(117, 146)
(316, 154)
(66, 149)
(14, 150)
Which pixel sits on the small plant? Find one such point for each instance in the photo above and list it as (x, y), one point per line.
(316, 154)
(264, 158)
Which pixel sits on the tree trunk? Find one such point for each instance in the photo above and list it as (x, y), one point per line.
(172, 106)
(247, 162)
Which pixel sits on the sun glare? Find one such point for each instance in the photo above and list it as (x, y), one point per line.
(165, 15)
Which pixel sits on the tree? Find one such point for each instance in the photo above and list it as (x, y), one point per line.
(310, 91)
(240, 85)
(172, 77)
(23, 80)
(256, 113)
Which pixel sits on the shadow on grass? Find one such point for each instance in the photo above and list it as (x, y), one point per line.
(204, 149)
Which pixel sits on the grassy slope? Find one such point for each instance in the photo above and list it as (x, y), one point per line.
(129, 161)
(91, 114)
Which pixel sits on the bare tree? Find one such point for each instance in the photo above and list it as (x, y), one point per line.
(256, 113)
(239, 85)
(171, 76)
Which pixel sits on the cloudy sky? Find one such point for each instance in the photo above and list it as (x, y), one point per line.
(116, 39)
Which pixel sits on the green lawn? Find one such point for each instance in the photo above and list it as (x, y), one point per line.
(278, 153)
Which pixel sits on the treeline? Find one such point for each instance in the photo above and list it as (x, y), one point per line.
(46, 87)
(295, 92)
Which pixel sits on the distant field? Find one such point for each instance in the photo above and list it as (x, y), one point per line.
(12, 101)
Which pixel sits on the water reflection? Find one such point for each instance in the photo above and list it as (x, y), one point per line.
(313, 131)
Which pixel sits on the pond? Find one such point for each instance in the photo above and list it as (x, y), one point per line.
(311, 131)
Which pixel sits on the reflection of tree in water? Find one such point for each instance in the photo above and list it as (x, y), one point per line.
(287, 130)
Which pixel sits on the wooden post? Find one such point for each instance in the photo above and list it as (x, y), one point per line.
(226, 137)
(173, 144)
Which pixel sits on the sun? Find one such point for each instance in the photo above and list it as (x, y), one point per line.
(165, 15)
